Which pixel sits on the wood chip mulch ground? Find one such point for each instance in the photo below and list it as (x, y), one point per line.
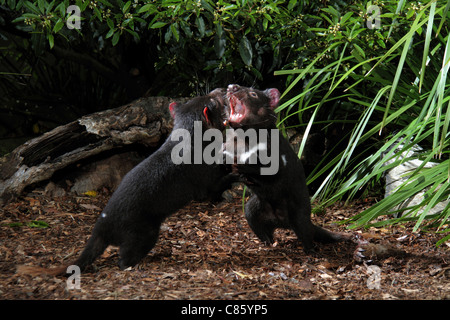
(207, 251)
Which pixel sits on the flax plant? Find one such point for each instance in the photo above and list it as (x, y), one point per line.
(394, 94)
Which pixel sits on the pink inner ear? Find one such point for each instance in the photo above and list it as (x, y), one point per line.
(274, 95)
(205, 113)
(172, 109)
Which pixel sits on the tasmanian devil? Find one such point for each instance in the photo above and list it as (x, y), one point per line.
(155, 189)
(279, 200)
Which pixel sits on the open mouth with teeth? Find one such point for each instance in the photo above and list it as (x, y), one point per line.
(237, 109)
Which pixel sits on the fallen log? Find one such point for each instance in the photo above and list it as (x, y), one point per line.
(146, 121)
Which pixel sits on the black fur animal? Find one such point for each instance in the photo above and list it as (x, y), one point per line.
(155, 189)
(280, 200)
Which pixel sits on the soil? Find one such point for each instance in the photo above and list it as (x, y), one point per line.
(207, 251)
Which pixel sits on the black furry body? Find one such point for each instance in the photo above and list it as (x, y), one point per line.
(156, 188)
(280, 200)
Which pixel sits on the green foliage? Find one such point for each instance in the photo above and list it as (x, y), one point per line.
(240, 40)
(388, 87)
(32, 224)
(124, 50)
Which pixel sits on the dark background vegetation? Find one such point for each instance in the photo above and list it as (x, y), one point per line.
(46, 84)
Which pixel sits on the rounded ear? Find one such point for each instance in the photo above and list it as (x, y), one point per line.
(172, 107)
(274, 96)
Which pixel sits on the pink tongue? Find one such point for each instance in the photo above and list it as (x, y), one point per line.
(236, 116)
(236, 109)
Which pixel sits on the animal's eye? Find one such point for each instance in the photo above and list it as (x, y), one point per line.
(253, 94)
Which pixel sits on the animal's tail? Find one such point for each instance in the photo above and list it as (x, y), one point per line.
(324, 236)
(95, 247)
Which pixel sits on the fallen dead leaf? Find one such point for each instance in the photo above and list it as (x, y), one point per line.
(90, 206)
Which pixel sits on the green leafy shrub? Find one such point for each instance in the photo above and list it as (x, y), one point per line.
(124, 50)
(198, 43)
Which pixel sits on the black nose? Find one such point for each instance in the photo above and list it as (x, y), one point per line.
(233, 88)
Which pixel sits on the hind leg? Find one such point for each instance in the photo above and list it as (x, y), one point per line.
(261, 219)
(95, 247)
(137, 245)
(300, 221)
